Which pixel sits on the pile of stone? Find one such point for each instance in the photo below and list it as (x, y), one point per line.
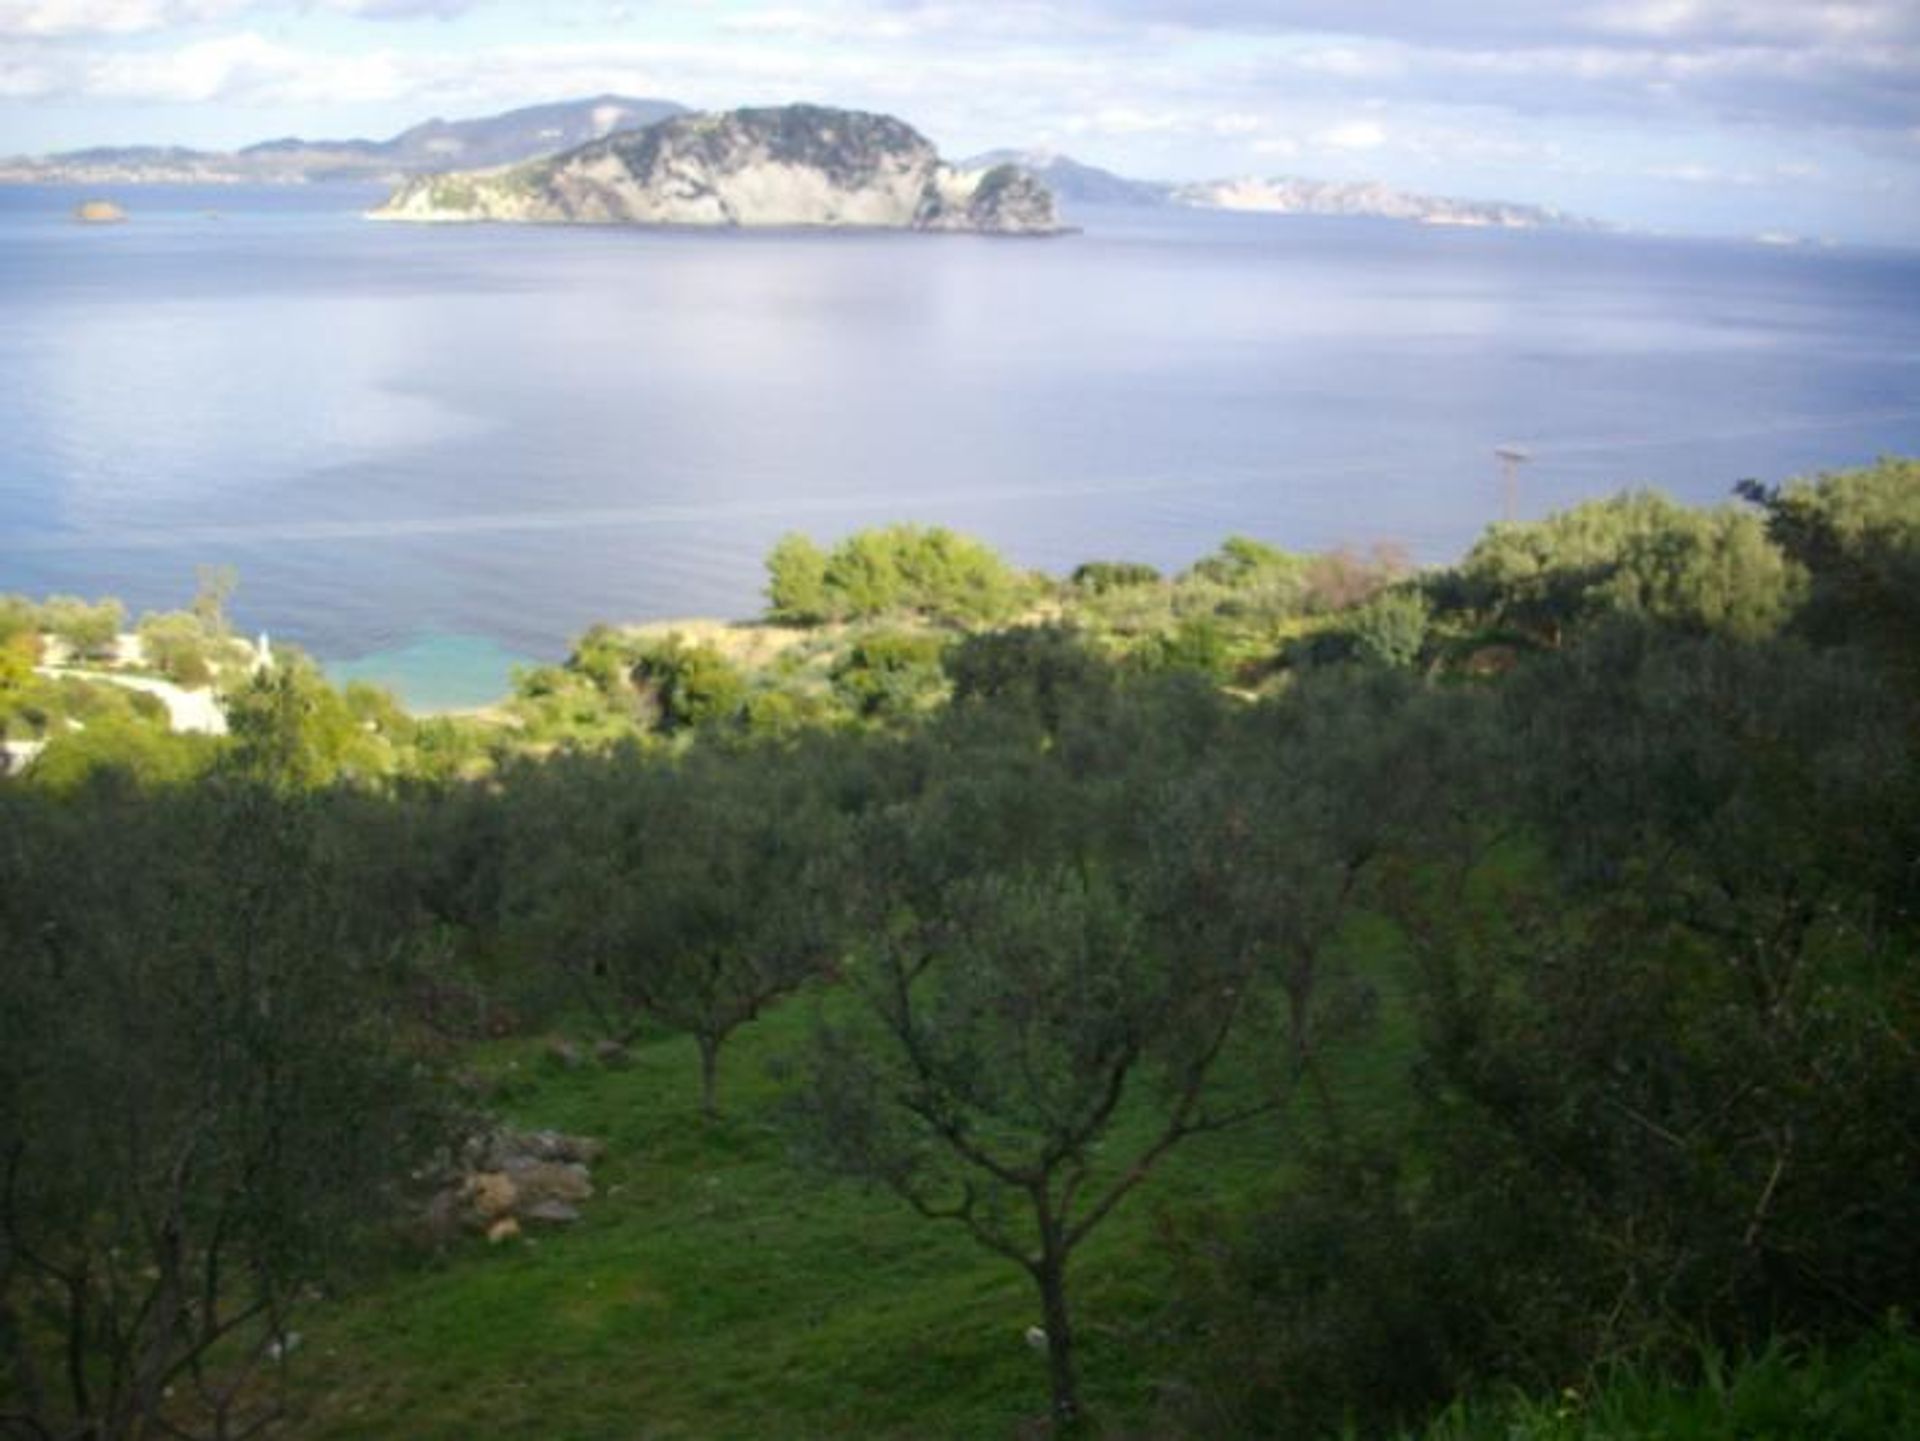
(505, 1178)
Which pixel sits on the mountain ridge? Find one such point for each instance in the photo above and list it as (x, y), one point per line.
(506, 137)
(1076, 183)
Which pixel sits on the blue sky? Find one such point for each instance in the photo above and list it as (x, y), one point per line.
(1726, 116)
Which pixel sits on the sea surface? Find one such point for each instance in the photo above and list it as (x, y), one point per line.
(433, 452)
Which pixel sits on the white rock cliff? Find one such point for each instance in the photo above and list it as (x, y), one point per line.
(800, 165)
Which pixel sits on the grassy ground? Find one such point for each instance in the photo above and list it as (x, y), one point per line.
(1869, 1391)
(717, 1288)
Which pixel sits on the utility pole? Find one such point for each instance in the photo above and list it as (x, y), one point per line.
(1511, 458)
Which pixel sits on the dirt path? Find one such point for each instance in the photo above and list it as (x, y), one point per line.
(193, 712)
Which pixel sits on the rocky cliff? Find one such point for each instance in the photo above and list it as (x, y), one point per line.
(794, 165)
(1292, 195)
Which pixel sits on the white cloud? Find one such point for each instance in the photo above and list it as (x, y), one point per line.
(245, 69)
(399, 9)
(829, 23)
(1688, 173)
(60, 19)
(1353, 135)
(1237, 123)
(1124, 120)
(105, 19)
(1352, 62)
(1754, 21)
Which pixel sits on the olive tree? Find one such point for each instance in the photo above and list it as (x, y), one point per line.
(200, 1103)
(683, 893)
(984, 1083)
(1045, 988)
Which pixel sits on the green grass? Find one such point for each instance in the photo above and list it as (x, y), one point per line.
(717, 1288)
(1867, 1392)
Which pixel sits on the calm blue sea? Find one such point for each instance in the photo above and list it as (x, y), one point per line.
(433, 451)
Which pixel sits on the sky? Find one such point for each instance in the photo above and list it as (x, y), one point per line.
(1701, 116)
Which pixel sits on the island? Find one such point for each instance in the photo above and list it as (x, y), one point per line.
(98, 212)
(794, 165)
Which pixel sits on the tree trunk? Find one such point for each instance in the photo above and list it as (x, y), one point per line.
(28, 1386)
(1051, 1276)
(709, 1076)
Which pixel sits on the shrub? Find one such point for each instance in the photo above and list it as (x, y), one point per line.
(928, 571)
(693, 683)
(179, 647)
(1390, 629)
(1198, 643)
(1044, 671)
(89, 629)
(890, 674)
(1100, 577)
(1636, 554)
(797, 582)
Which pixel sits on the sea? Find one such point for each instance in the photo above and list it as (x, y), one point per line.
(435, 453)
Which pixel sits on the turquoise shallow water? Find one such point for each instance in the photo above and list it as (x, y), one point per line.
(437, 671)
(428, 450)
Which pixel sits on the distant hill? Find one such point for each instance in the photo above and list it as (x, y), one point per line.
(788, 165)
(1073, 182)
(1077, 184)
(1292, 195)
(504, 139)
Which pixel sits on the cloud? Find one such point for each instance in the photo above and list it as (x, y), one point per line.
(1508, 23)
(244, 69)
(401, 9)
(106, 19)
(61, 19)
(1238, 123)
(1124, 120)
(1353, 135)
(1844, 63)
(1695, 173)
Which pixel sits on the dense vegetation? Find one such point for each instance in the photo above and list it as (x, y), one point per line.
(1308, 993)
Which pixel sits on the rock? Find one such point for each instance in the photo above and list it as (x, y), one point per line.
(1005, 200)
(491, 1194)
(503, 1150)
(537, 1181)
(565, 1054)
(98, 212)
(503, 1177)
(613, 1055)
(798, 165)
(558, 1146)
(504, 1229)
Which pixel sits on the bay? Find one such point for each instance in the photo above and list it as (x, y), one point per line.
(433, 451)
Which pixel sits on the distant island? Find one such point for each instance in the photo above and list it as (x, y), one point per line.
(435, 145)
(804, 165)
(1076, 183)
(516, 137)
